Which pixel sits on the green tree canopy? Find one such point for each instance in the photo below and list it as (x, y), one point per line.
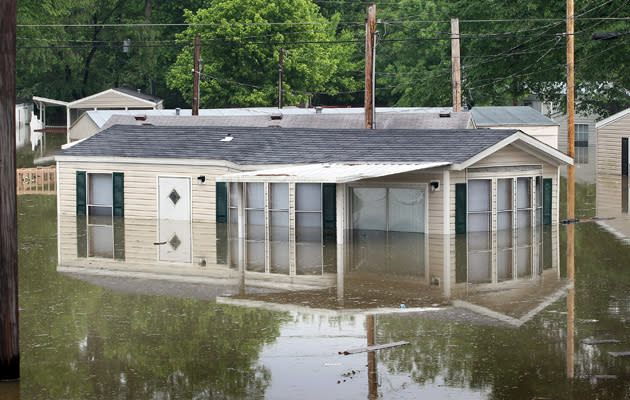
(240, 41)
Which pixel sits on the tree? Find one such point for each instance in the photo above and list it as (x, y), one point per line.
(240, 42)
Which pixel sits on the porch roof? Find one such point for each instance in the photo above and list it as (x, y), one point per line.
(327, 173)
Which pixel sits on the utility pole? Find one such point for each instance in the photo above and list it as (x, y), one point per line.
(9, 333)
(455, 66)
(370, 27)
(195, 104)
(280, 71)
(570, 188)
(570, 110)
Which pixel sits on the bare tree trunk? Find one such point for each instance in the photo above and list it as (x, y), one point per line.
(9, 344)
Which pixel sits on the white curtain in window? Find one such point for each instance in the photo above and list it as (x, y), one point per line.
(523, 193)
(279, 196)
(369, 208)
(479, 195)
(504, 194)
(479, 222)
(101, 241)
(308, 196)
(101, 189)
(255, 195)
(234, 194)
(406, 210)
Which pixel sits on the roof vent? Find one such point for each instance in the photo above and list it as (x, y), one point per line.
(445, 114)
(318, 110)
(147, 124)
(276, 115)
(138, 90)
(177, 111)
(141, 117)
(227, 138)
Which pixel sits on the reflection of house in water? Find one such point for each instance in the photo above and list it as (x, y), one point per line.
(509, 279)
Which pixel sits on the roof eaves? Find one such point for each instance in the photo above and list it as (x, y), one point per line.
(612, 118)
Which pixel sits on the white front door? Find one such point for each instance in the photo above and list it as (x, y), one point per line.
(174, 209)
(174, 198)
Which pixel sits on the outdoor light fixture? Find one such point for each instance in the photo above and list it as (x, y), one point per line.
(201, 179)
(435, 186)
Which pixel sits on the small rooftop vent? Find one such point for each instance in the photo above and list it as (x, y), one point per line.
(318, 110)
(276, 115)
(445, 114)
(141, 117)
(227, 138)
(177, 111)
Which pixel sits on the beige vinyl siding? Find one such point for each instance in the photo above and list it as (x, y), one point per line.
(141, 252)
(608, 171)
(547, 134)
(113, 100)
(141, 187)
(83, 128)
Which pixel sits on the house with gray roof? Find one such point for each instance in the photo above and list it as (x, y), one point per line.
(286, 190)
(289, 117)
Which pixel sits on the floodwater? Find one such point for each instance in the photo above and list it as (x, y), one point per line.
(511, 329)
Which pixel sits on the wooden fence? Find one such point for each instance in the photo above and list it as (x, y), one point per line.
(37, 180)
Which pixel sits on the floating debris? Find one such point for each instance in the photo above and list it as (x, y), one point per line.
(599, 341)
(619, 353)
(372, 348)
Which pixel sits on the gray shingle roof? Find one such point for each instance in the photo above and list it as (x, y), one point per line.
(509, 115)
(385, 120)
(288, 146)
(140, 95)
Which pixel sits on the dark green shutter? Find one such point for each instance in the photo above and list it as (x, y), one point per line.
(460, 208)
(81, 194)
(119, 238)
(329, 205)
(547, 195)
(81, 236)
(222, 202)
(118, 194)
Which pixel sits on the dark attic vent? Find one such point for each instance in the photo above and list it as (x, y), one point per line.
(276, 116)
(445, 114)
(140, 117)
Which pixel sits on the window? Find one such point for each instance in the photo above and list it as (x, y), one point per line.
(279, 228)
(581, 143)
(388, 225)
(281, 237)
(479, 205)
(308, 228)
(100, 206)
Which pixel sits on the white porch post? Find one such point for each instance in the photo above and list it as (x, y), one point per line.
(447, 234)
(341, 234)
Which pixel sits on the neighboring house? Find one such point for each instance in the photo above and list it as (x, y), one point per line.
(110, 99)
(23, 110)
(523, 118)
(584, 140)
(612, 192)
(307, 186)
(291, 117)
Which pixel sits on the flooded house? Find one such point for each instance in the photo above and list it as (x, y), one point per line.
(300, 205)
(612, 192)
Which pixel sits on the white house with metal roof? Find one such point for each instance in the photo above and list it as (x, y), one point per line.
(523, 118)
(299, 186)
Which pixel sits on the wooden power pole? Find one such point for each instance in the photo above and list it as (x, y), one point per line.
(456, 66)
(9, 334)
(370, 27)
(280, 72)
(570, 110)
(195, 104)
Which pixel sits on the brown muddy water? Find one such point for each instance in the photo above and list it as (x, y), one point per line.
(503, 331)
